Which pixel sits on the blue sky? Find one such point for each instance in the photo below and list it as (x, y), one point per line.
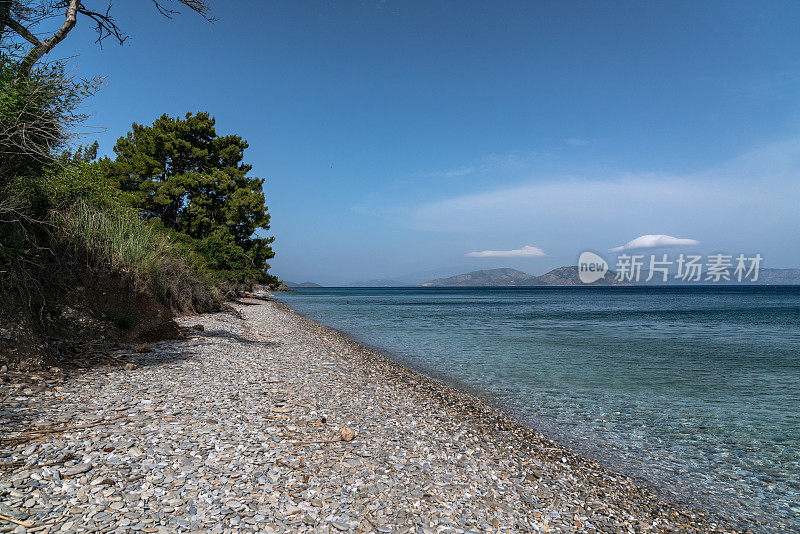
(398, 137)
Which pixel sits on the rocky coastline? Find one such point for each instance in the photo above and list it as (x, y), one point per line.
(270, 422)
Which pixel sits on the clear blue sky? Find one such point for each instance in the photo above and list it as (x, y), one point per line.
(400, 136)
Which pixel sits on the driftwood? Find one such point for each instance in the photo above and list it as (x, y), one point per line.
(34, 428)
(345, 434)
(9, 465)
(29, 435)
(12, 520)
(290, 466)
(317, 442)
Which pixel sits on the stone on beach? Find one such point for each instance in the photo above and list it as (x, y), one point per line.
(76, 470)
(249, 425)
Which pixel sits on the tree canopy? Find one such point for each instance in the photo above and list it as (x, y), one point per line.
(39, 106)
(195, 181)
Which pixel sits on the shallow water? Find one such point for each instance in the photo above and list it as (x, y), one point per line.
(694, 390)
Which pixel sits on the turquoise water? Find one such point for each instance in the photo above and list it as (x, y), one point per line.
(694, 391)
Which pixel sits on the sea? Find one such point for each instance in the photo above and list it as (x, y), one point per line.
(692, 391)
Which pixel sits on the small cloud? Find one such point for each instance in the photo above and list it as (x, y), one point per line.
(450, 173)
(362, 210)
(577, 142)
(525, 252)
(655, 241)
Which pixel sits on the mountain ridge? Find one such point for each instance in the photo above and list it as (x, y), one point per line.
(502, 277)
(568, 276)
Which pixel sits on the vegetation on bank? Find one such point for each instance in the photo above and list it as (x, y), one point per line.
(172, 219)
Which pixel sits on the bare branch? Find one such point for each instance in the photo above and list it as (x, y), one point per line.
(42, 117)
(164, 11)
(22, 16)
(38, 51)
(105, 25)
(23, 31)
(200, 7)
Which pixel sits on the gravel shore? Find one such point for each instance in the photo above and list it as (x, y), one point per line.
(238, 428)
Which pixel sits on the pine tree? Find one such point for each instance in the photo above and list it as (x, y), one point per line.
(195, 182)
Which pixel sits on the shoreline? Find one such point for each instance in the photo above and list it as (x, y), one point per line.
(471, 407)
(230, 430)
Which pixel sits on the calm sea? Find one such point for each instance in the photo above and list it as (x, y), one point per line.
(694, 391)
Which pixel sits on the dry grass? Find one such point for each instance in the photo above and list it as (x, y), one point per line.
(118, 239)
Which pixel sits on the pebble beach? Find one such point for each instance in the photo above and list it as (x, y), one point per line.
(265, 421)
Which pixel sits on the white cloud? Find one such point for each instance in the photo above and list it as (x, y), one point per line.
(449, 173)
(525, 252)
(577, 142)
(510, 164)
(562, 205)
(655, 241)
(747, 203)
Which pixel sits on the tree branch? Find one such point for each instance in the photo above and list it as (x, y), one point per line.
(28, 14)
(105, 25)
(200, 7)
(44, 47)
(23, 31)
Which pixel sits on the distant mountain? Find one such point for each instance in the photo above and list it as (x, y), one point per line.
(377, 282)
(778, 277)
(487, 278)
(766, 277)
(419, 277)
(302, 284)
(568, 276)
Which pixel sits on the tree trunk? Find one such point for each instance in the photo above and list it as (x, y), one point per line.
(45, 46)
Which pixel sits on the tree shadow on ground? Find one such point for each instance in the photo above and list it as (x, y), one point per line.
(249, 301)
(221, 333)
(23, 403)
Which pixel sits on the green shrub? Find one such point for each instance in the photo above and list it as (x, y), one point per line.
(58, 187)
(38, 113)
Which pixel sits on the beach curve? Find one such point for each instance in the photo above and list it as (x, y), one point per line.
(236, 429)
